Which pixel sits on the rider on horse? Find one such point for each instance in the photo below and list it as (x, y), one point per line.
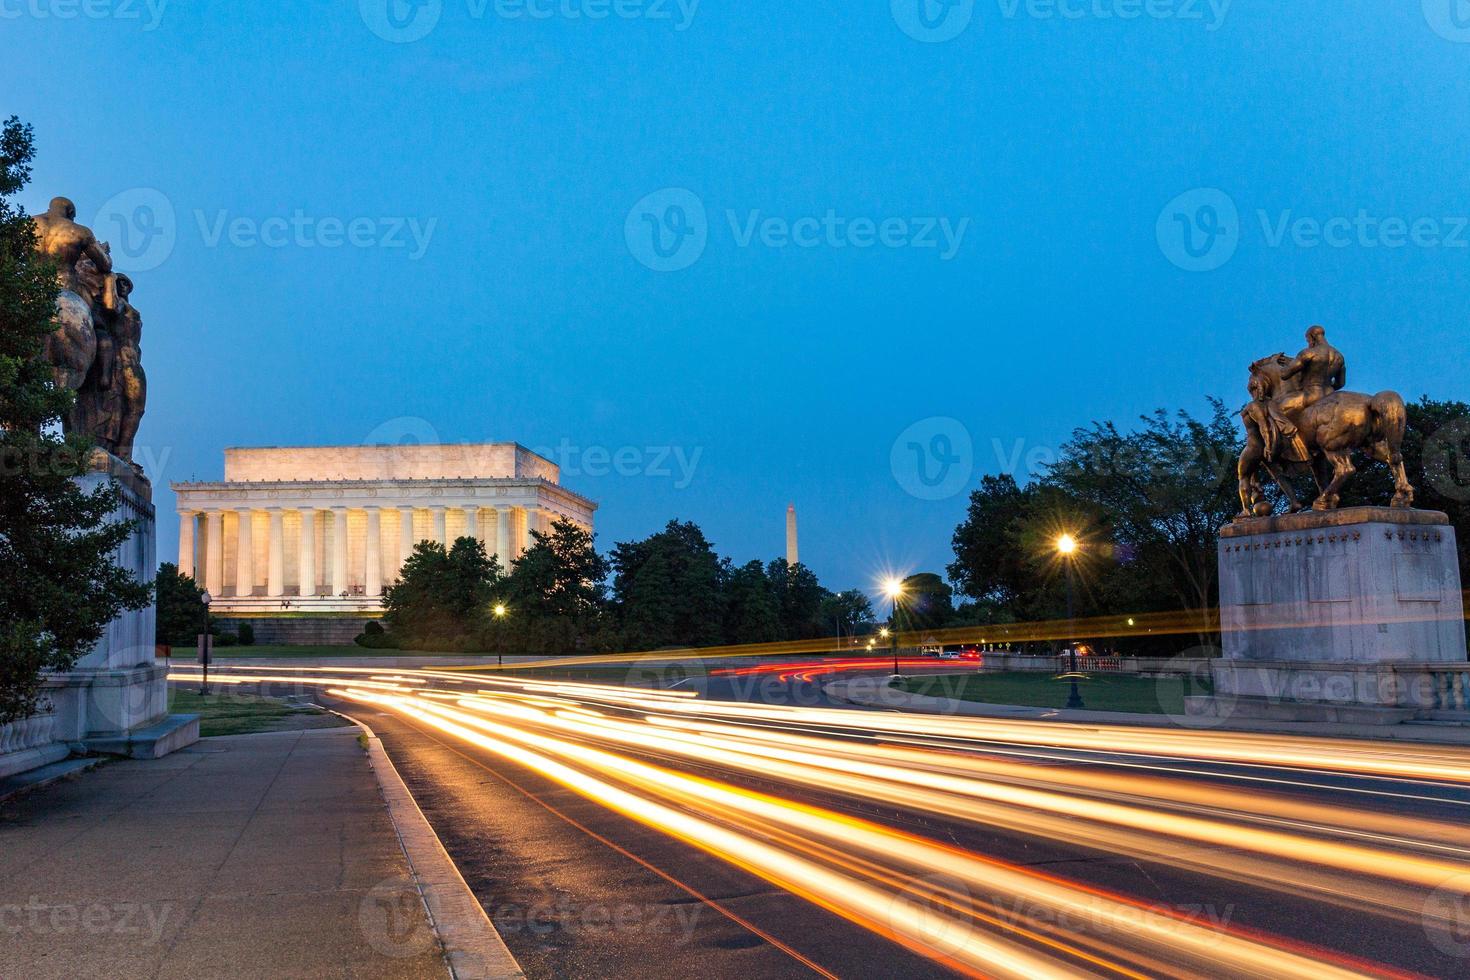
(1321, 369)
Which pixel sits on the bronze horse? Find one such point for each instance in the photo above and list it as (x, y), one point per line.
(1333, 428)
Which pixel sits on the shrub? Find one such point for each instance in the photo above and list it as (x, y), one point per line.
(224, 638)
(247, 635)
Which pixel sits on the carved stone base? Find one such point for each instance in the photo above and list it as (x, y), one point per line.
(1359, 585)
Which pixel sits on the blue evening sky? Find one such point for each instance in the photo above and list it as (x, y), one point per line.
(815, 361)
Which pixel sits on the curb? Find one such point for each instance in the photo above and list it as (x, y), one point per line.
(22, 783)
(473, 949)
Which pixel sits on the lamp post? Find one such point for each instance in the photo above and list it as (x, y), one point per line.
(500, 612)
(205, 644)
(1067, 548)
(894, 589)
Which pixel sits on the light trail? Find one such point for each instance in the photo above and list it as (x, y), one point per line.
(773, 790)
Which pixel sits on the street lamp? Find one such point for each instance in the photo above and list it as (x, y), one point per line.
(1067, 548)
(500, 612)
(894, 589)
(204, 644)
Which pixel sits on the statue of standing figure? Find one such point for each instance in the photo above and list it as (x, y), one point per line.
(94, 350)
(1299, 417)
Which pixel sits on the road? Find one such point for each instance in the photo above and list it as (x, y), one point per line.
(725, 827)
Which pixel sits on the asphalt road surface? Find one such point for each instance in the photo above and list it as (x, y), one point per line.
(735, 828)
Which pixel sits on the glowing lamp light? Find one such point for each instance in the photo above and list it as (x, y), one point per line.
(500, 610)
(893, 588)
(1066, 544)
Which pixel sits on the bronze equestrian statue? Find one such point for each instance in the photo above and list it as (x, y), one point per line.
(1300, 418)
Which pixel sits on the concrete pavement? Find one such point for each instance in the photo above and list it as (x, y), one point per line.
(253, 855)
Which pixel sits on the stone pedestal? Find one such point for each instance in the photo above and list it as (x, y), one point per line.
(1354, 615)
(115, 699)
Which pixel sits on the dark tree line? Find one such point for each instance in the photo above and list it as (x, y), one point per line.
(671, 589)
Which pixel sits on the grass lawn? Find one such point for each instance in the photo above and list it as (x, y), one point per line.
(242, 714)
(1101, 692)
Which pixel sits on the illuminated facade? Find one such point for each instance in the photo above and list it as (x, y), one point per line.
(324, 529)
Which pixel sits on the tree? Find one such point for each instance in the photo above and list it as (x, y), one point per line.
(442, 599)
(752, 612)
(1164, 490)
(927, 603)
(669, 589)
(988, 566)
(57, 542)
(181, 611)
(799, 598)
(556, 592)
(850, 612)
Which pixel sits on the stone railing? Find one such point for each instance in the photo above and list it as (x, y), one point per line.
(28, 733)
(1451, 687)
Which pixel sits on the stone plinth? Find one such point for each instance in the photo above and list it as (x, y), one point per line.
(116, 690)
(1360, 585)
(1354, 615)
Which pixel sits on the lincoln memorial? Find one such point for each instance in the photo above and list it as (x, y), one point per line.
(323, 529)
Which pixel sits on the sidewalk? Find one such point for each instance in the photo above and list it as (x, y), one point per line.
(254, 855)
(874, 692)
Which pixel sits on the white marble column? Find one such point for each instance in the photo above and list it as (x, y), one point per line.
(440, 535)
(214, 552)
(528, 523)
(405, 536)
(472, 522)
(244, 556)
(306, 564)
(522, 530)
(187, 520)
(373, 554)
(503, 537)
(275, 563)
(339, 551)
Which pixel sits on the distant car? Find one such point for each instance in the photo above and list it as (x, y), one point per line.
(931, 651)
